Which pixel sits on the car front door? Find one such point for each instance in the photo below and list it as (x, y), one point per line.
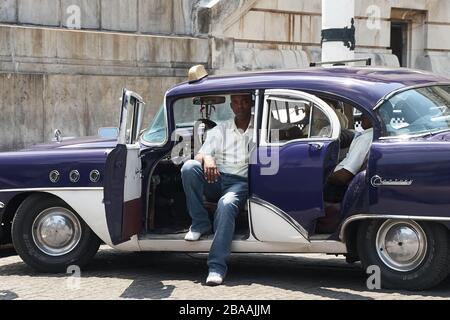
(298, 146)
(123, 181)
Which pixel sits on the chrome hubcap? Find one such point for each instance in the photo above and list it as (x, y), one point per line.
(401, 245)
(56, 231)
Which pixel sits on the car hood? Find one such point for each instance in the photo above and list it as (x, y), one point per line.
(76, 143)
(444, 136)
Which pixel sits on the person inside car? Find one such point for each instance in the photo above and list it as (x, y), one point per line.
(219, 171)
(346, 170)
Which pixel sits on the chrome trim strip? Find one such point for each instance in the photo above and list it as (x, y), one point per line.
(385, 216)
(291, 94)
(2, 205)
(241, 246)
(281, 214)
(400, 139)
(255, 125)
(250, 221)
(53, 189)
(306, 140)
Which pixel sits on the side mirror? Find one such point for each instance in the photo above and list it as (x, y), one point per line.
(108, 133)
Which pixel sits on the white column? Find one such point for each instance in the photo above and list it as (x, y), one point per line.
(337, 14)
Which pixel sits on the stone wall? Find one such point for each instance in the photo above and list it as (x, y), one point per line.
(34, 105)
(72, 80)
(140, 16)
(284, 33)
(53, 77)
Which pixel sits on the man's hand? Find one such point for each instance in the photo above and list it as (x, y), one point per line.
(210, 169)
(341, 177)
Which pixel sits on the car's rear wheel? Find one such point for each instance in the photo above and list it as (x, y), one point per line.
(411, 255)
(50, 236)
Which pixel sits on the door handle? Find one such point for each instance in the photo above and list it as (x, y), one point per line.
(316, 145)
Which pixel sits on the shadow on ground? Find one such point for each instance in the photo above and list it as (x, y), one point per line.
(7, 251)
(328, 278)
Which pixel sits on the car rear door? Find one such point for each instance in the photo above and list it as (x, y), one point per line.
(287, 173)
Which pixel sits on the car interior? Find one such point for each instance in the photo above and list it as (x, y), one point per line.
(194, 117)
(167, 212)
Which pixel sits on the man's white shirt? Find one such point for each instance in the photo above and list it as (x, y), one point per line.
(230, 147)
(357, 152)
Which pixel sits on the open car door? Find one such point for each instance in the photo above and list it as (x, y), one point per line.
(123, 181)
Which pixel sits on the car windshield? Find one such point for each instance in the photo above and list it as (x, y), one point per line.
(157, 131)
(186, 113)
(417, 111)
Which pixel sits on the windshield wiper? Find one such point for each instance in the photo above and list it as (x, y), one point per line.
(433, 133)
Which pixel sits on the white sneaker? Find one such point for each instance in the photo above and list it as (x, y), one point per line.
(214, 279)
(192, 236)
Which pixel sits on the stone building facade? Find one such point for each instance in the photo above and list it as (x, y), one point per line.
(64, 62)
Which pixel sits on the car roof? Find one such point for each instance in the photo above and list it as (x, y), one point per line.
(364, 86)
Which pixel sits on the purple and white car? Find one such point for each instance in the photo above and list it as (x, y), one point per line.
(60, 201)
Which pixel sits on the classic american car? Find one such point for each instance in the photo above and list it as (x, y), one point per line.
(59, 201)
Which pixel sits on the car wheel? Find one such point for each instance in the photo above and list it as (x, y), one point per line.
(50, 236)
(411, 255)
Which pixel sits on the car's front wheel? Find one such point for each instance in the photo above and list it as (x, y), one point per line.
(411, 255)
(50, 236)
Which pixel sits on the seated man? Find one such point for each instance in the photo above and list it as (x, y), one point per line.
(346, 170)
(219, 171)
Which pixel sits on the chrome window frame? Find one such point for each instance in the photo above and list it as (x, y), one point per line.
(287, 95)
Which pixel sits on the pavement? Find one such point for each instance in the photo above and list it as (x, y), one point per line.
(121, 275)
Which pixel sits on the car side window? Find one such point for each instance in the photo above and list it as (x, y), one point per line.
(295, 119)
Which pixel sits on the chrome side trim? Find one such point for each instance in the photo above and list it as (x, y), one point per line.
(242, 246)
(296, 94)
(402, 138)
(255, 125)
(385, 216)
(2, 205)
(250, 222)
(52, 189)
(281, 214)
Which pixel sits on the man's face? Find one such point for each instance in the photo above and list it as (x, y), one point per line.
(365, 122)
(242, 106)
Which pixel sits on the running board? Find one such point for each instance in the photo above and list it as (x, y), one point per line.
(244, 246)
(180, 236)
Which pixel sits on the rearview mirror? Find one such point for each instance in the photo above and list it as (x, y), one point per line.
(209, 100)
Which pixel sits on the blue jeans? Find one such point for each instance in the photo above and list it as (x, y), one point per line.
(231, 191)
